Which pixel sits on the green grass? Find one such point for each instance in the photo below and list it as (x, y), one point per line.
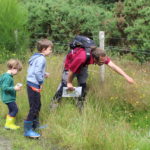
(115, 117)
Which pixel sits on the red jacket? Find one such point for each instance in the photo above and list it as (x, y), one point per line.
(77, 59)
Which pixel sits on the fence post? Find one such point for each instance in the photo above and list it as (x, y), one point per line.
(101, 45)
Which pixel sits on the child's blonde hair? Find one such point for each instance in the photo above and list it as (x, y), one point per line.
(43, 44)
(14, 64)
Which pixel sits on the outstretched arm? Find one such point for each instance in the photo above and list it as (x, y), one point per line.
(120, 71)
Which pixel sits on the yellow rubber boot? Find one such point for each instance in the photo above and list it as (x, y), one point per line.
(10, 123)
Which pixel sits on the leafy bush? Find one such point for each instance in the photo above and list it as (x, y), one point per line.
(132, 28)
(138, 29)
(126, 25)
(60, 20)
(12, 26)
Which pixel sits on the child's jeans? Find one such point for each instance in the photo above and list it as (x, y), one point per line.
(13, 109)
(34, 102)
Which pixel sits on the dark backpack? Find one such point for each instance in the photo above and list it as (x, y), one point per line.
(83, 42)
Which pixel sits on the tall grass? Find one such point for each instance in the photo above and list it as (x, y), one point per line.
(115, 117)
(13, 20)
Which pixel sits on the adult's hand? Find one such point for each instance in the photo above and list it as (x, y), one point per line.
(121, 72)
(130, 80)
(70, 87)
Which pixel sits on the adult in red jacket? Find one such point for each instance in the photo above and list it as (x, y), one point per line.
(76, 65)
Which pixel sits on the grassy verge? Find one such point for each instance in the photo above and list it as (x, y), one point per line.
(115, 117)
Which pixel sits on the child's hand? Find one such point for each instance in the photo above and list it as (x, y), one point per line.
(41, 86)
(17, 88)
(46, 74)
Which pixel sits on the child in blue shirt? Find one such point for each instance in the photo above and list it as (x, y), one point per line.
(35, 78)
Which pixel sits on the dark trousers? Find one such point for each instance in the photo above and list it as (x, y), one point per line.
(81, 77)
(34, 103)
(13, 109)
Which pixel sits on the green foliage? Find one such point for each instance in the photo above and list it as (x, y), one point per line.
(126, 23)
(6, 54)
(60, 20)
(103, 2)
(13, 18)
(138, 28)
(113, 117)
(132, 31)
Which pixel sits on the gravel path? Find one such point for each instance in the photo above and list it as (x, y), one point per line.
(5, 144)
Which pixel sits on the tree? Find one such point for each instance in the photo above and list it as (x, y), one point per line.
(13, 18)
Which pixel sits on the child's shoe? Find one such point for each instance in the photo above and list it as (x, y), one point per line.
(28, 130)
(10, 123)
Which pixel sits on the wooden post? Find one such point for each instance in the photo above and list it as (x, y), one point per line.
(101, 45)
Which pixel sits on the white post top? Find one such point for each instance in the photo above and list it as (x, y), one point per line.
(101, 39)
(101, 45)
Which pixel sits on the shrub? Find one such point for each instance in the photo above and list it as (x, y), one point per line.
(12, 26)
(60, 20)
(126, 25)
(132, 28)
(138, 29)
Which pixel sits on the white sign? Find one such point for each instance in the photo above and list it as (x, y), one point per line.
(75, 93)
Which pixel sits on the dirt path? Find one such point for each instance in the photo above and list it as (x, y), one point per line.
(5, 144)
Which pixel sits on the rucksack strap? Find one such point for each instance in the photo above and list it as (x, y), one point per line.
(88, 55)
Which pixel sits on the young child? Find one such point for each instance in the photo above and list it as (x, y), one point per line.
(8, 92)
(35, 79)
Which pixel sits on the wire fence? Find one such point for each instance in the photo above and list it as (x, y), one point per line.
(125, 49)
(94, 36)
(96, 39)
(114, 48)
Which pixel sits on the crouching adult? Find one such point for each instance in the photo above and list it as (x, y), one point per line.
(76, 65)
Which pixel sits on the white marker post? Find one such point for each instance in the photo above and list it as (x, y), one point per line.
(101, 45)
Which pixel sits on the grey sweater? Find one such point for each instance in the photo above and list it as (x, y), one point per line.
(36, 70)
